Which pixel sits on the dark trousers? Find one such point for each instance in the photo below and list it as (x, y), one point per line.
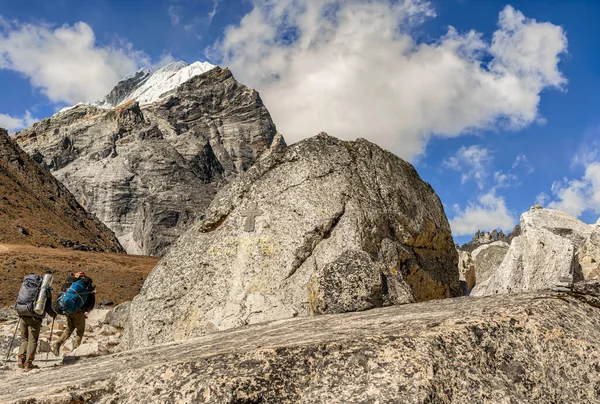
(30, 332)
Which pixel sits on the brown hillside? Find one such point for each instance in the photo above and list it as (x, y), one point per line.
(36, 209)
(118, 277)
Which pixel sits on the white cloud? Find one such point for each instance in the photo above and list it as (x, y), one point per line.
(214, 10)
(579, 195)
(542, 198)
(13, 124)
(65, 63)
(505, 179)
(521, 161)
(489, 213)
(474, 162)
(589, 148)
(353, 69)
(174, 14)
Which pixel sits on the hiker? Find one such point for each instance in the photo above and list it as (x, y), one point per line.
(77, 299)
(33, 303)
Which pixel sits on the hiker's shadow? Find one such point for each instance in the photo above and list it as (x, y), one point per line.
(70, 360)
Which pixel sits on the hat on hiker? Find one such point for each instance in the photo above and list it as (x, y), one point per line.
(79, 275)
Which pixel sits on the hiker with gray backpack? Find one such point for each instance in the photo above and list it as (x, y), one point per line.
(33, 303)
(76, 299)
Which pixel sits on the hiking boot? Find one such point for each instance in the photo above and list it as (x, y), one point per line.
(56, 349)
(30, 365)
(20, 361)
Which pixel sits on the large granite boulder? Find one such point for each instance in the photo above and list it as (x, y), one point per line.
(466, 271)
(36, 209)
(589, 254)
(517, 348)
(150, 171)
(543, 256)
(324, 226)
(487, 259)
(557, 222)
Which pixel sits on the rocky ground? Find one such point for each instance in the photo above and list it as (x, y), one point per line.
(514, 348)
(118, 277)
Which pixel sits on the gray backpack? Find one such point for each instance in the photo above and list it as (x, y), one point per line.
(30, 289)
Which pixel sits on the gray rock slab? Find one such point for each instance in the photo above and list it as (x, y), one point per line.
(517, 348)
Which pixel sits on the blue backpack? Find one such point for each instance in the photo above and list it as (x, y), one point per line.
(74, 298)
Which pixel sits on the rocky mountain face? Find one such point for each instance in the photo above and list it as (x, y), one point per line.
(481, 238)
(517, 348)
(36, 209)
(324, 226)
(547, 253)
(149, 171)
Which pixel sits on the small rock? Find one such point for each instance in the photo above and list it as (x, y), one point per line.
(108, 330)
(90, 349)
(113, 341)
(106, 302)
(43, 345)
(538, 206)
(21, 230)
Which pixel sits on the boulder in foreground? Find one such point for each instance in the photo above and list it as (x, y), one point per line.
(324, 226)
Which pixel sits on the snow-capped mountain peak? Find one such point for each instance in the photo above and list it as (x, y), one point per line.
(146, 87)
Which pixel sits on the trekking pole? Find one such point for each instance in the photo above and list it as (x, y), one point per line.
(50, 341)
(13, 340)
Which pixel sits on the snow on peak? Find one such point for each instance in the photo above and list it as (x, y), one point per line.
(161, 81)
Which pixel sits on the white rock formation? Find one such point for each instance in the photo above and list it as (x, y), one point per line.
(589, 254)
(542, 257)
(487, 258)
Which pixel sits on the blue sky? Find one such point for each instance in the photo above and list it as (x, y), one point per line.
(496, 114)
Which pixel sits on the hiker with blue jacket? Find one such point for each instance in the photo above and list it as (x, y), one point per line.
(76, 299)
(33, 303)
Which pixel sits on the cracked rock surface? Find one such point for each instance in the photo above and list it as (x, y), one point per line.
(149, 173)
(514, 348)
(345, 226)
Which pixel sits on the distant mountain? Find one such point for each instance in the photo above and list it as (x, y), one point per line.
(149, 167)
(36, 209)
(481, 238)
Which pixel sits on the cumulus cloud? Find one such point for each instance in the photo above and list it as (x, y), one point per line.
(65, 63)
(474, 162)
(578, 195)
(354, 69)
(490, 212)
(13, 124)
